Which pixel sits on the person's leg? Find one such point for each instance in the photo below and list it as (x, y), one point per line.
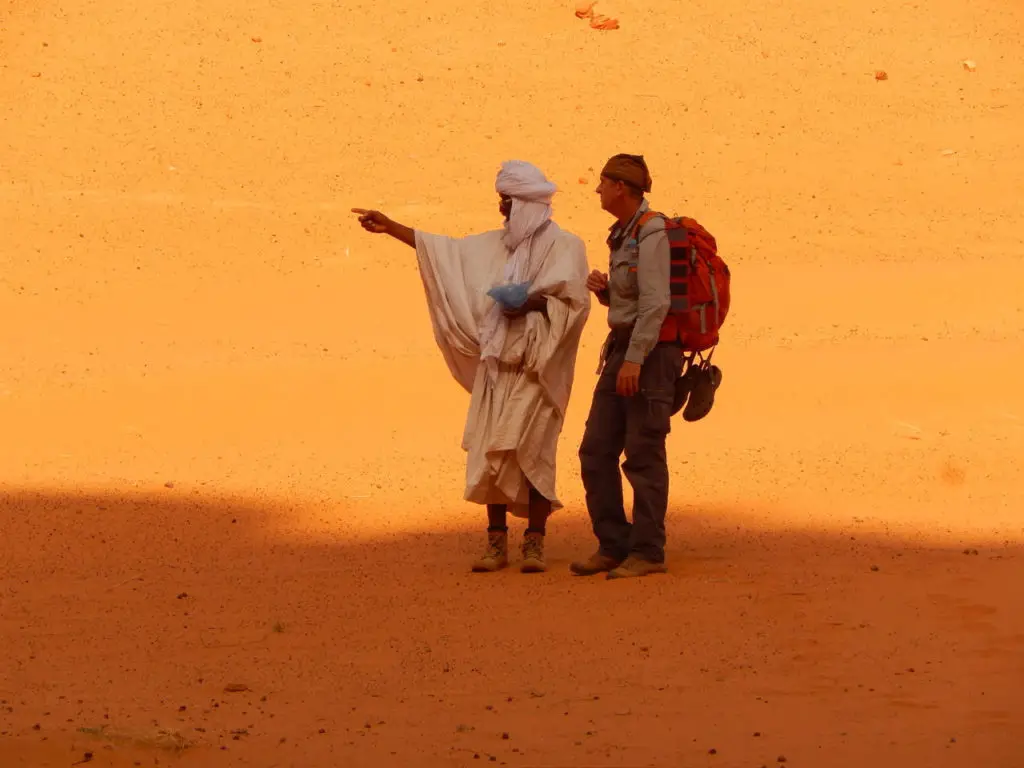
(533, 540)
(497, 517)
(495, 557)
(648, 423)
(646, 468)
(540, 511)
(600, 450)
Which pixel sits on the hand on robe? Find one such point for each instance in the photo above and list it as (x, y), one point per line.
(533, 304)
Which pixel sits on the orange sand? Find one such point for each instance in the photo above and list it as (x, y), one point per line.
(185, 299)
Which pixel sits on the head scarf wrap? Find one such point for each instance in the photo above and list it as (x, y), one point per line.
(531, 195)
(630, 169)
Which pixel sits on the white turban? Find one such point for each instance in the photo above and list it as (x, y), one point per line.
(531, 195)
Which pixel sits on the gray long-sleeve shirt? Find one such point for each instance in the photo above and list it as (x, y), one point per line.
(638, 283)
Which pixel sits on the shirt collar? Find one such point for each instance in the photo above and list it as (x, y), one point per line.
(616, 230)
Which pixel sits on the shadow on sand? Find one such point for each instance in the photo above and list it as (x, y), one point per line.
(136, 613)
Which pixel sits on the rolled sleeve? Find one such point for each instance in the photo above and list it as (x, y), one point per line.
(653, 272)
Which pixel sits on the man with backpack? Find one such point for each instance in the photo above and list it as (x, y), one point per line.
(667, 294)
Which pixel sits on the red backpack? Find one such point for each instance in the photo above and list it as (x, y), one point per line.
(699, 284)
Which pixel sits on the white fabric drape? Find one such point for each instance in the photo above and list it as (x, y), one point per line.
(531, 195)
(519, 397)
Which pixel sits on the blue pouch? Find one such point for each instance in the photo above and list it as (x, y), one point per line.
(511, 295)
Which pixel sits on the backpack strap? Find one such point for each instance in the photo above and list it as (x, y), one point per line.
(646, 217)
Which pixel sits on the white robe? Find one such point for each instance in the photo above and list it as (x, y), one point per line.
(515, 418)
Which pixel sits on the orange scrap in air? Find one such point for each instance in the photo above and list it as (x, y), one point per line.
(603, 22)
(585, 10)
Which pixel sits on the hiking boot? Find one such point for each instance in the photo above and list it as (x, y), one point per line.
(533, 553)
(596, 563)
(496, 556)
(684, 385)
(702, 394)
(636, 566)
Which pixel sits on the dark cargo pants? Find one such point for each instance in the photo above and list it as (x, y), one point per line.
(638, 426)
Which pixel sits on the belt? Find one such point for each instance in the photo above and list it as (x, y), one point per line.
(619, 337)
(621, 333)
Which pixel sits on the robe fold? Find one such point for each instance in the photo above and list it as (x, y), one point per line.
(518, 401)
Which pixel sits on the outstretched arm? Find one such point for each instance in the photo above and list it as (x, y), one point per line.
(377, 223)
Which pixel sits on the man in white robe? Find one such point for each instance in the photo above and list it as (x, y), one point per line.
(517, 362)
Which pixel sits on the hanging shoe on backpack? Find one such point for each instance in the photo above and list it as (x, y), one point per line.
(706, 382)
(684, 385)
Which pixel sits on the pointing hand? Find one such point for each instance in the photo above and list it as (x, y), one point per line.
(373, 221)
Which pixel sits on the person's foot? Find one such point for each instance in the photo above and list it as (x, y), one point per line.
(496, 556)
(533, 553)
(596, 563)
(636, 566)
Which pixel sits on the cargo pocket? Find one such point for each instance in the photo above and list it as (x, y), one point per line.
(657, 419)
(658, 378)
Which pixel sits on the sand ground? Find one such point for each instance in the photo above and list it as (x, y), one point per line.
(230, 449)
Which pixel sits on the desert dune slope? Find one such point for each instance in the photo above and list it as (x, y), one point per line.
(230, 452)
